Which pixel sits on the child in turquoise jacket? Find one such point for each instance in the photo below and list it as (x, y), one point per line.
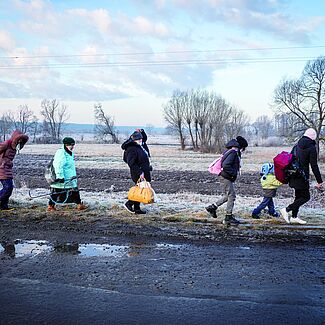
(269, 185)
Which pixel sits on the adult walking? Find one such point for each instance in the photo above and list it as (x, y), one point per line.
(136, 155)
(306, 154)
(8, 150)
(230, 169)
(65, 187)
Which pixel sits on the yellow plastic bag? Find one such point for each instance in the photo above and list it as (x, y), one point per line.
(141, 192)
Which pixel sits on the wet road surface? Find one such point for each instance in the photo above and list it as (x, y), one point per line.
(130, 280)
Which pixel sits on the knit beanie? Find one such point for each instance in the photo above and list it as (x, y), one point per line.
(68, 141)
(242, 142)
(310, 133)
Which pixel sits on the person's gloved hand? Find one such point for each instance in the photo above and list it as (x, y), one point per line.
(59, 180)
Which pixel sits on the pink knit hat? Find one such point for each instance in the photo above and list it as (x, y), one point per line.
(311, 134)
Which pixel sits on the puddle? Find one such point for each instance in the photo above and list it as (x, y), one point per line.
(169, 246)
(25, 248)
(244, 247)
(32, 248)
(104, 250)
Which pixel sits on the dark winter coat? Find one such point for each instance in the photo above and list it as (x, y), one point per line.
(8, 153)
(230, 162)
(138, 160)
(307, 155)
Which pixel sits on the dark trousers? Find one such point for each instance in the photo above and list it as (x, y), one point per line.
(267, 202)
(301, 197)
(60, 195)
(5, 193)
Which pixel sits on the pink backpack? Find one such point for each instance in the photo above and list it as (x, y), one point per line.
(281, 162)
(216, 166)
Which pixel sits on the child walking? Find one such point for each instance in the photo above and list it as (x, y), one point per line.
(230, 169)
(269, 185)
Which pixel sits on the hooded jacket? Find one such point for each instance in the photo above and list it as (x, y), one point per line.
(8, 153)
(306, 155)
(137, 159)
(65, 168)
(231, 162)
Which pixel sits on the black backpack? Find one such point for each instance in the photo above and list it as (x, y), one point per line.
(294, 169)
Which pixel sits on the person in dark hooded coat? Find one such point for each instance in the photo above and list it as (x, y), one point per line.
(230, 169)
(306, 155)
(8, 150)
(136, 155)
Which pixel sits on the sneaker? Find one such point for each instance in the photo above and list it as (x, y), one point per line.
(275, 215)
(212, 210)
(81, 207)
(230, 220)
(285, 215)
(139, 212)
(51, 208)
(128, 206)
(298, 220)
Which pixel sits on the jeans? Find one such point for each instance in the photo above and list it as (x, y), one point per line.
(5, 193)
(301, 197)
(229, 195)
(267, 202)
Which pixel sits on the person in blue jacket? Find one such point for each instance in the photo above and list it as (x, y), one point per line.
(65, 187)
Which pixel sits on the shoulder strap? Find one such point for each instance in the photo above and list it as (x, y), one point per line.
(226, 154)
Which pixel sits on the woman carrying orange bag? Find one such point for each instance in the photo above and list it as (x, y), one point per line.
(136, 155)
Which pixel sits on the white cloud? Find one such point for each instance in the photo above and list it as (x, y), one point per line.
(7, 42)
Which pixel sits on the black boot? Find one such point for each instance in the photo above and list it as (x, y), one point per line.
(212, 209)
(128, 205)
(137, 209)
(230, 220)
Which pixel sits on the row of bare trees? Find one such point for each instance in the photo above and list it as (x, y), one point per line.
(48, 130)
(301, 102)
(203, 119)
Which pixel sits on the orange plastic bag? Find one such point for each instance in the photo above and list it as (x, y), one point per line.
(141, 192)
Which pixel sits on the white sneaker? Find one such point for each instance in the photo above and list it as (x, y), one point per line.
(285, 215)
(298, 220)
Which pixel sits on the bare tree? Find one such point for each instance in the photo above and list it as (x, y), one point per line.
(104, 125)
(206, 117)
(6, 125)
(23, 119)
(174, 116)
(304, 98)
(55, 115)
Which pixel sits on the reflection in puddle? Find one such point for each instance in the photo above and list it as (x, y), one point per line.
(105, 250)
(32, 248)
(29, 247)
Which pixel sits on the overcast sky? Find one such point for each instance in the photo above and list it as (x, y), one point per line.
(130, 55)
